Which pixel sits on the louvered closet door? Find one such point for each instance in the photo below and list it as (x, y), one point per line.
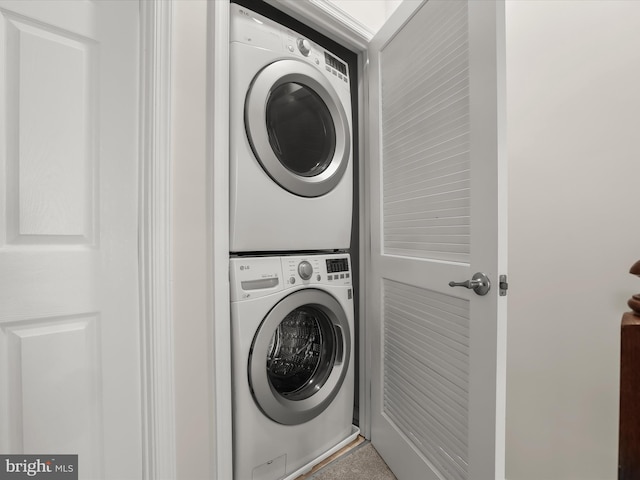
(437, 184)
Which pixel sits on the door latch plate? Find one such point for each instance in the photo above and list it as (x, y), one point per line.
(504, 285)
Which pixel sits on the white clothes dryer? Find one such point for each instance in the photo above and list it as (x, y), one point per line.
(292, 361)
(291, 155)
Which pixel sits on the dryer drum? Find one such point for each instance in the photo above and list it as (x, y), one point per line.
(297, 127)
(300, 128)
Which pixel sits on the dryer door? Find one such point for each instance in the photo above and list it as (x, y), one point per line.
(300, 356)
(298, 128)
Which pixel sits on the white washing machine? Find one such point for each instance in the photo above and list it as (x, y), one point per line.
(291, 140)
(292, 361)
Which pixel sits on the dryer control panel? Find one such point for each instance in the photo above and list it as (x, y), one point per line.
(253, 29)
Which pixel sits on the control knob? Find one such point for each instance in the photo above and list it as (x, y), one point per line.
(305, 270)
(304, 46)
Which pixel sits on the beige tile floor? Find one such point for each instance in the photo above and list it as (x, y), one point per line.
(357, 461)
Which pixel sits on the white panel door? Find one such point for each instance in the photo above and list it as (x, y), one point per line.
(437, 186)
(69, 329)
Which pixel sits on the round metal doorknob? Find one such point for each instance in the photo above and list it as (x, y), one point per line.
(480, 284)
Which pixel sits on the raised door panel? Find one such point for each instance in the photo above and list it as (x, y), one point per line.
(54, 359)
(50, 115)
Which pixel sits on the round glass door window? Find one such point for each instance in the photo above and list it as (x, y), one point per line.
(299, 356)
(300, 129)
(301, 353)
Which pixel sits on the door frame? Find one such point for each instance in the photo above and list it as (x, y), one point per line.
(217, 186)
(155, 242)
(335, 24)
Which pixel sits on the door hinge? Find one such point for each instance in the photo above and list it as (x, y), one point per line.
(504, 286)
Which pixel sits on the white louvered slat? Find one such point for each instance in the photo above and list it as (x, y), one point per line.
(439, 30)
(435, 233)
(447, 393)
(440, 130)
(448, 183)
(450, 432)
(426, 373)
(435, 354)
(440, 420)
(437, 202)
(424, 223)
(435, 175)
(425, 138)
(431, 215)
(446, 95)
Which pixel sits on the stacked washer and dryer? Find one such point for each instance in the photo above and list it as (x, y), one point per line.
(291, 197)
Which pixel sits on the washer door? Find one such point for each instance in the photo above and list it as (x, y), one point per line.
(299, 356)
(298, 128)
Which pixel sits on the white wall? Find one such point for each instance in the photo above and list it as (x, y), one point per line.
(574, 165)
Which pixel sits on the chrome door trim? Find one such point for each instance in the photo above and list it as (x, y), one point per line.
(271, 77)
(274, 405)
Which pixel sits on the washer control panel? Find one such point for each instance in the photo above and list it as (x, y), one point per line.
(255, 277)
(334, 269)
